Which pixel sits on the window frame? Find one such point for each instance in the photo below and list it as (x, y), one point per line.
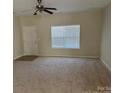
(65, 47)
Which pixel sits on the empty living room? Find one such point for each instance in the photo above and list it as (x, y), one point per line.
(62, 46)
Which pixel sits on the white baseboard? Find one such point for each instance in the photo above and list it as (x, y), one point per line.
(105, 64)
(17, 57)
(69, 56)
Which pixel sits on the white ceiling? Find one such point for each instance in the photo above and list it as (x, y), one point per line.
(21, 6)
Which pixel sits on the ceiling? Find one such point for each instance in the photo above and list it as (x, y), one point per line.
(26, 7)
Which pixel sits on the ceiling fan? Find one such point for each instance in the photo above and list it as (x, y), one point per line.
(40, 8)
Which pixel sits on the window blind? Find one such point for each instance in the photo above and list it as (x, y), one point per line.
(65, 36)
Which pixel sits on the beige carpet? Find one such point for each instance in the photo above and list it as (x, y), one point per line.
(60, 75)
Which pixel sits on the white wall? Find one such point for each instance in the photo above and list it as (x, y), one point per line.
(90, 22)
(106, 37)
(17, 38)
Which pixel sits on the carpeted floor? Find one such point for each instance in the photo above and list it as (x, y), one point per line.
(61, 75)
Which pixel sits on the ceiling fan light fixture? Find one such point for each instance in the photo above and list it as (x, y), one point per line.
(40, 8)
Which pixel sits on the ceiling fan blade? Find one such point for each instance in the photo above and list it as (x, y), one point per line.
(35, 13)
(48, 11)
(50, 8)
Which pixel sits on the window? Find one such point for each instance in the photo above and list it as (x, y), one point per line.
(65, 36)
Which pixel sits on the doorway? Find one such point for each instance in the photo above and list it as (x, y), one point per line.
(30, 40)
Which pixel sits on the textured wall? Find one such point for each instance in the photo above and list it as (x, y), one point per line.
(106, 37)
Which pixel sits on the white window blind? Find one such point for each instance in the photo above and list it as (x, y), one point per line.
(65, 36)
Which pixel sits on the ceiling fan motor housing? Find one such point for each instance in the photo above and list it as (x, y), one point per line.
(40, 8)
(39, 1)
